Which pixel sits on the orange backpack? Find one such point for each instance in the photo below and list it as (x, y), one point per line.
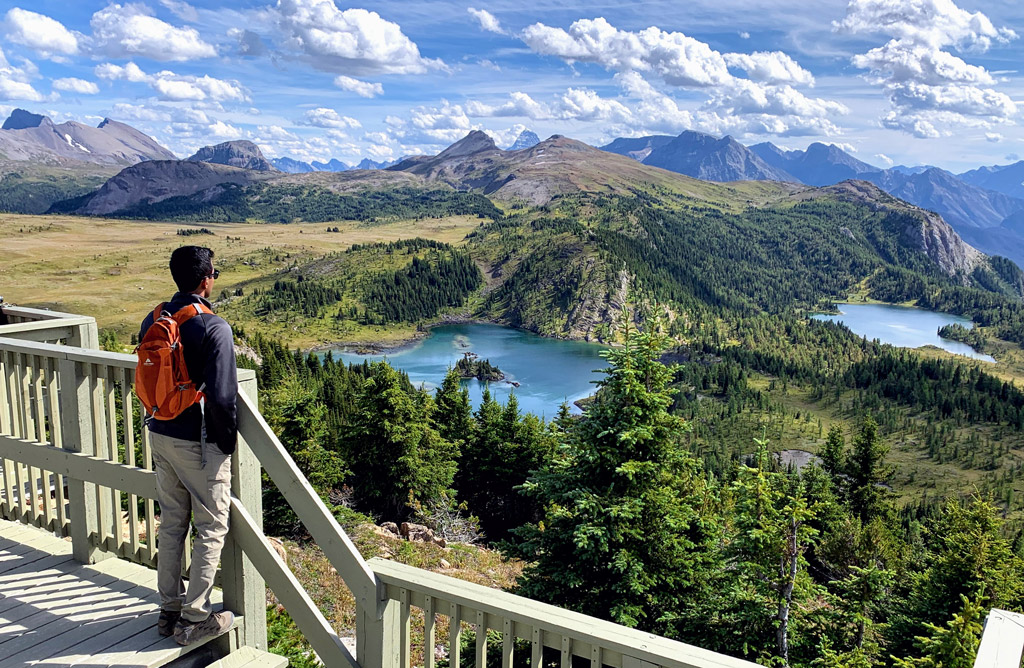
(161, 377)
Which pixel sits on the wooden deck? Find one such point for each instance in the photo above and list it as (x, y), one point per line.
(55, 611)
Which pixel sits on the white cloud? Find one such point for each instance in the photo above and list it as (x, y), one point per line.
(130, 29)
(172, 86)
(518, 104)
(845, 146)
(360, 88)
(929, 89)
(993, 137)
(354, 41)
(487, 20)
(129, 72)
(680, 60)
(322, 117)
(886, 160)
(46, 36)
(15, 81)
(773, 67)
(586, 105)
(74, 85)
(936, 23)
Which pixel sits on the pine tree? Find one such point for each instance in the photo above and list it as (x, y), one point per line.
(954, 645)
(394, 449)
(833, 452)
(868, 474)
(454, 414)
(626, 535)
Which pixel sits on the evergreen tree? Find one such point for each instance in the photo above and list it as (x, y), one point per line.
(953, 646)
(454, 415)
(626, 535)
(868, 473)
(394, 449)
(833, 452)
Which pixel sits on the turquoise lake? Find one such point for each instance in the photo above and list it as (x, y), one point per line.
(902, 326)
(549, 371)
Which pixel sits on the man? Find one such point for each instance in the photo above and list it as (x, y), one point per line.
(192, 455)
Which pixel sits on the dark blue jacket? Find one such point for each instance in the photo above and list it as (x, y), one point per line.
(210, 359)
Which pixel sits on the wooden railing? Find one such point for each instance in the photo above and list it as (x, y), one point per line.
(76, 461)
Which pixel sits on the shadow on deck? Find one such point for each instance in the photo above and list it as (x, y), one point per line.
(55, 611)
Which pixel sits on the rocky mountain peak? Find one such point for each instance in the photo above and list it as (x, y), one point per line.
(21, 119)
(476, 141)
(526, 139)
(239, 153)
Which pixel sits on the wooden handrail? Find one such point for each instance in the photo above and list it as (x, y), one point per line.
(308, 506)
(288, 589)
(547, 625)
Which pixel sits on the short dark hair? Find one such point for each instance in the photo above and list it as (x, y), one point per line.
(190, 265)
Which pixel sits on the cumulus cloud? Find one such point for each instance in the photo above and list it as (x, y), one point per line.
(73, 85)
(679, 59)
(360, 88)
(487, 20)
(172, 86)
(352, 41)
(886, 160)
(993, 137)
(123, 31)
(15, 82)
(128, 72)
(773, 67)
(322, 117)
(44, 35)
(765, 101)
(518, 104)
(929, 88)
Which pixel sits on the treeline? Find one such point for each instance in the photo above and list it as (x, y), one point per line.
(36, 193)
(312, 204)
(423, 288)
(310, 297)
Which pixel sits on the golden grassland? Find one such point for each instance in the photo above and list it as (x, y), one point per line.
(116, 270)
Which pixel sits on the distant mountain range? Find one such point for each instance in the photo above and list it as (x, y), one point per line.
(333, 165)
(985, 205)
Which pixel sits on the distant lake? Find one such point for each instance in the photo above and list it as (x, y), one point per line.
(903, 326)
(549, 371)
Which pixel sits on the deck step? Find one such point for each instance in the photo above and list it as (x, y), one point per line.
(249, 657)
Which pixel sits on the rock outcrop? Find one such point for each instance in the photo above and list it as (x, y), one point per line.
(241, 153)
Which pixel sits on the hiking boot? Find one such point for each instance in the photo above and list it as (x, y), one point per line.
(165, 624)
(187, 633)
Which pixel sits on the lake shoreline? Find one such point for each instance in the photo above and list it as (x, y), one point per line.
(903, 326)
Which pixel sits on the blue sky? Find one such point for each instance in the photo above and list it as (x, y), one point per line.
(892, 81)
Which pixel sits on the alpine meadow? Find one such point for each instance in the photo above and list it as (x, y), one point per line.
(395, 245)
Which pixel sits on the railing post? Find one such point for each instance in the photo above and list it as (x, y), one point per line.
(378, 637)
(77, 431)
(245, 592)
(85, 336)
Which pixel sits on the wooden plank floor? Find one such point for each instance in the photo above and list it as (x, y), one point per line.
(55, 611)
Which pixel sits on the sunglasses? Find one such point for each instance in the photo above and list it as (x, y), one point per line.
(215, 275)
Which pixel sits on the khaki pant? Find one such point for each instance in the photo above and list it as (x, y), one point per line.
(189, 483)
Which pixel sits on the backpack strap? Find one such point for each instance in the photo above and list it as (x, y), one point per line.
(186, 313)
(158, 311)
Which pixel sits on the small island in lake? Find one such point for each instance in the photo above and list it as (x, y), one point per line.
(472, 367)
